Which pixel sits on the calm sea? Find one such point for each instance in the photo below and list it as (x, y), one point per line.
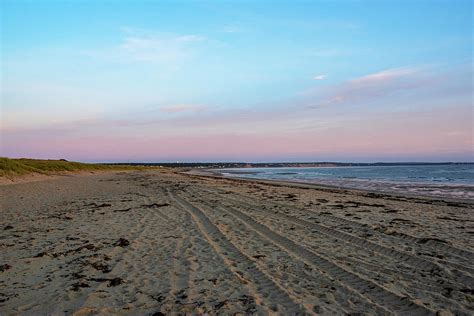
(433, 180)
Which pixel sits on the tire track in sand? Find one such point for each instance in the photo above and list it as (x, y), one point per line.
(249, 273)
(398, 255)
(179, 275)
(436, 285)
(419, 242)
(383, 297)
(361, 243)
(212, 287)
(245, 237)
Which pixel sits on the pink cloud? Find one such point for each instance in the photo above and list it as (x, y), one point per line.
(386, 75)
(182, 108)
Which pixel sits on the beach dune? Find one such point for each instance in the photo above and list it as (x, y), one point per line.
(164, 242)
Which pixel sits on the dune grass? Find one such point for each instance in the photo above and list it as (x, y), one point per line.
(17, 167)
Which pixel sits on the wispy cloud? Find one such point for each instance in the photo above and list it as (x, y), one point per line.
(386, 75)
(319, 77)
(386, 85)
(158, 48)
(139, 45)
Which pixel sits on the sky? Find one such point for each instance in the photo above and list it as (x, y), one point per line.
(131, 81)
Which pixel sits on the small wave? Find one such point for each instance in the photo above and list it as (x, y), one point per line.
(244, 172)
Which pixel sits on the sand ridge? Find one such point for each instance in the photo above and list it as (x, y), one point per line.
(172, 243)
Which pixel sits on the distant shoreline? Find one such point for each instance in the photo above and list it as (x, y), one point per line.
(218, 165)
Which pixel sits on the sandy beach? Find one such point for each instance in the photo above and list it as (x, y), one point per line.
(165, 242)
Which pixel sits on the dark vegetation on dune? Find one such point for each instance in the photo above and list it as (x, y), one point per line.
(15, 167)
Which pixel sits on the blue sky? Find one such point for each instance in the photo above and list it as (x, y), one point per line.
(199, 75)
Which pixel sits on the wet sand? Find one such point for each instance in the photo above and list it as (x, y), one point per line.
(172, 243)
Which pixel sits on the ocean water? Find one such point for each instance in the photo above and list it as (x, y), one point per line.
(455, 181)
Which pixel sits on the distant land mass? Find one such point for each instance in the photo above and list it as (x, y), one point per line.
(217, 165)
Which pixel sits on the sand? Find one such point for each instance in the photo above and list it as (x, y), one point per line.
(153, 243)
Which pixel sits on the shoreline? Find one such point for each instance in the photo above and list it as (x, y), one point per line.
(213, 173)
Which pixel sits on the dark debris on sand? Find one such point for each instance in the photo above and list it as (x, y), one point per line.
(155, 205)
(112, 281)
(5, 267)
(100, 266)
(122, 242)
(78, 285)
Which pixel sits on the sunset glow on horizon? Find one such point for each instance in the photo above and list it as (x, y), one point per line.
(237, 81)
